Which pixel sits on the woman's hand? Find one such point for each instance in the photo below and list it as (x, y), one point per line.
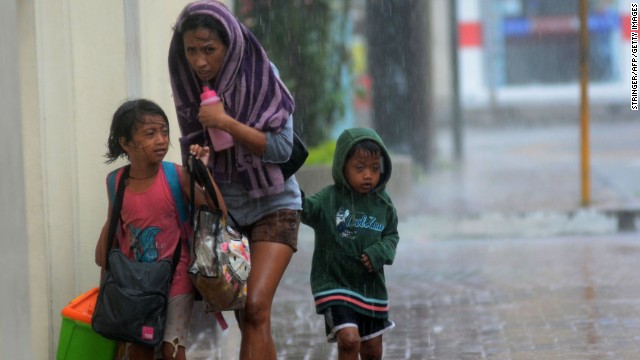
(214, 116)
(200, 152)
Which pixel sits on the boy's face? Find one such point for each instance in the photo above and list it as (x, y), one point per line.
(362, 171)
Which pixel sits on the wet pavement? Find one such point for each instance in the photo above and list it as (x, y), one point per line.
(497, 259)
(554, 298)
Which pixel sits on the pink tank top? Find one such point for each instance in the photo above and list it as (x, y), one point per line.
(150, 229)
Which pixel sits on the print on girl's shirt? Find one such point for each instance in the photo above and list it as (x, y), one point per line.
(143, 243)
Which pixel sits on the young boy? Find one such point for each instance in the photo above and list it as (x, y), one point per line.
(356, 234)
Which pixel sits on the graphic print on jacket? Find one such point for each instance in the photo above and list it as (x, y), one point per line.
(143, 243)
(347, 225)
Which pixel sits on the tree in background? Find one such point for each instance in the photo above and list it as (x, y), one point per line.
(397, 41)
(306, 40)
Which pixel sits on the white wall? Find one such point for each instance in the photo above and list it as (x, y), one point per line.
(72, 76)
(15, 317)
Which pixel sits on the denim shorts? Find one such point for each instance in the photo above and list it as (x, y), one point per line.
(280, 226)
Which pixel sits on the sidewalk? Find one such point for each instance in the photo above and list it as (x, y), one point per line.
(526, 181)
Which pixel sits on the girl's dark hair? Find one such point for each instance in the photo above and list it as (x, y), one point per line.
(124, 122)
(368, 146)
(195, 21)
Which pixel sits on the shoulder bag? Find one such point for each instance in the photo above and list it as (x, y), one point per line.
(299, 154)
(133, 296)
(220, 257)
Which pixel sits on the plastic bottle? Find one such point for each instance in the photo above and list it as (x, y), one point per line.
(221, 140)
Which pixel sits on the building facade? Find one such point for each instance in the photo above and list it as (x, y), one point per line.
(527, 52)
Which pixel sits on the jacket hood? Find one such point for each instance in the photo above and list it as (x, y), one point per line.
(345, 142)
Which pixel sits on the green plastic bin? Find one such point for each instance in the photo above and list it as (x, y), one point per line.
(77, 340)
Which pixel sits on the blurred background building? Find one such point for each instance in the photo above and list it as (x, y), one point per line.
(519, 54)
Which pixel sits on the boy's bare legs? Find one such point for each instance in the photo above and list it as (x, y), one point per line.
(269, 260)
(350, 346)
(348, 343)
(371, 349)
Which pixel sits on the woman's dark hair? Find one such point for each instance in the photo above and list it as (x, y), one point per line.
(124, 122)
(195, 21)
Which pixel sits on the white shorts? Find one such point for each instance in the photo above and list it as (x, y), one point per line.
(176, 330)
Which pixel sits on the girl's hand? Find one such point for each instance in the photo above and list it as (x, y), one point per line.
(200, 152)
(364, 259)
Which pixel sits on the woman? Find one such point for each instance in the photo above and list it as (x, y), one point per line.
(211, 47)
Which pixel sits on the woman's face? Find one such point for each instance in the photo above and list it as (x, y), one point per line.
(204, 51)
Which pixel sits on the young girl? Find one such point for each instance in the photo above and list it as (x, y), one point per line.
(149, 228)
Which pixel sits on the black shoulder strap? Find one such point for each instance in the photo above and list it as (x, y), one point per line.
(115, 212)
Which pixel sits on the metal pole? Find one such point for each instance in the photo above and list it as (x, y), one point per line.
(455, 79)
(584, 104)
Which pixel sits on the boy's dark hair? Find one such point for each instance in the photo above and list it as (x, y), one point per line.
(194, 21)
(129, 115)
(368, 146)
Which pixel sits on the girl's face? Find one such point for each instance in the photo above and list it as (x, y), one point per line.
(204, 51)
(362, 171)
(150, 141)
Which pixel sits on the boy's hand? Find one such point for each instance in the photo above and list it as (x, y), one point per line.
(364, 259)
(200, 152)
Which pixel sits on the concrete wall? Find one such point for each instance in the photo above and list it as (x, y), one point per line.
(15, 317)
(75, 62)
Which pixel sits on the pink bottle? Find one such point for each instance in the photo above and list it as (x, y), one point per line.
(221, 140)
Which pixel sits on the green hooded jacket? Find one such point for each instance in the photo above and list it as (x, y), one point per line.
(348, 224)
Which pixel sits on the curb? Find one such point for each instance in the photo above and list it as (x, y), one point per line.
(534, 224)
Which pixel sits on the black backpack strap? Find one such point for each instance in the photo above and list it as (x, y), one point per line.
(176, 257)
(115, 213)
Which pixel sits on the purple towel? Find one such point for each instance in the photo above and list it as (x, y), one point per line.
(249, 88)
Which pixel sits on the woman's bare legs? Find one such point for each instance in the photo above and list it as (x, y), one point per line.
(269, 260)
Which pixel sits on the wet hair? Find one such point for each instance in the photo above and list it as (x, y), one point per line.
(125, 121)
(195, 21)
(370, 147)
